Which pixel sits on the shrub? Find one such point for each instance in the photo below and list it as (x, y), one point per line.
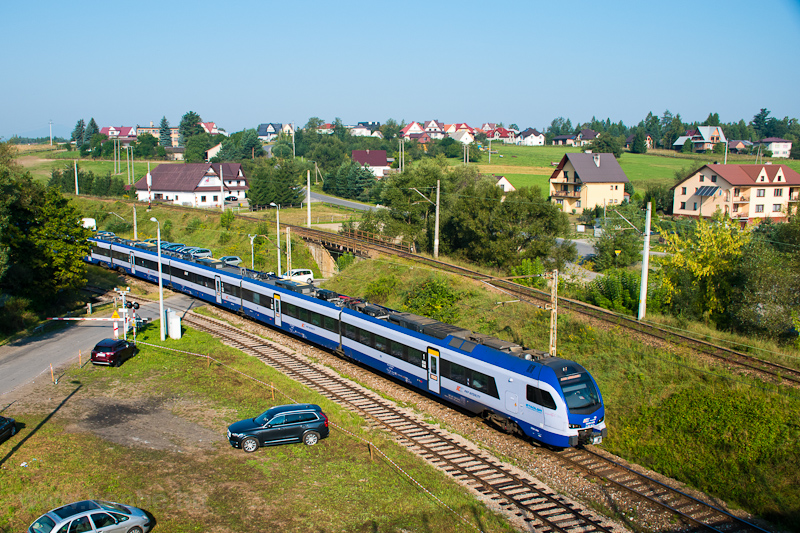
(345, 260)
(227, 219)
(193, 225)
(15, 315)
(433, 298)
(224, 238)
(380, 290)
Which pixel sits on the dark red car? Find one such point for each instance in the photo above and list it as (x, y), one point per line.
(112, 352)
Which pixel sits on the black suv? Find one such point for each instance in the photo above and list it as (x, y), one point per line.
(282, 424)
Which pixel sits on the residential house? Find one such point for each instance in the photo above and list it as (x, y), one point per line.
(374, 160)
(504, 184)
(422, 138)
(450, 129)
(779, 147)
(325, 129)
(155, 131)
(704, 138)
(434, 129)
(367, 129)
(648, 141)
(530, 137)
(213, 151)
(463, 136)
(488, 126)
(501, 134)
(564, 140)
(745, 192)
(414, 128)
(210, 128)
(175, 153)
(194, 184)
(739, 146)
(587, 180)
(287, 129)
(125, 134)
(269, 132)
(585, 137)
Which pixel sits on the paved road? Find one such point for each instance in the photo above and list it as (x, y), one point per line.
(317, 197)
(28, 359)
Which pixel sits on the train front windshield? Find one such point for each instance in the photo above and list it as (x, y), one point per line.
(580, 392)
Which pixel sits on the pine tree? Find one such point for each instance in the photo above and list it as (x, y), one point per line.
(164, 134)
(78, 133)
(91, 131)
(189, 127)
(639, 145)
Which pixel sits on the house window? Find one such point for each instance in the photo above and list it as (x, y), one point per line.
(578, 203)
(702, 178)
(778, 192)
(612, 187)
(216, 198)
(683, 191)
(560, 202)
(695, 206)
(759, 209)
(616, 187)
(203, 199)
(736, 191)
(713, 179)
(683, 205)
(761, 193)
(776, 208)
(566, 175)
(735, 208)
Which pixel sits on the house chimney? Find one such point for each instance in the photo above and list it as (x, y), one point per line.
(596, 158)
(151, 123)
(367, 151)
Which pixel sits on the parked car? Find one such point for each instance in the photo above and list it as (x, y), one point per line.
(301, 275)
(280, 425)
(231, 198)
(112, 352)
(231, 260)
(174, 246)
(8, 428)
(94, 515)
(200, 252)
(105, 234)
(164, 244)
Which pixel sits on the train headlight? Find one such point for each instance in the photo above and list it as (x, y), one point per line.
(601, 420)
(575, 426)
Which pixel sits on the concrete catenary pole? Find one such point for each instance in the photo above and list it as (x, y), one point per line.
(436, 231)
(308, 198)
(645, 264)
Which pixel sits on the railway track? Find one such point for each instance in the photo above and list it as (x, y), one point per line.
(769, 370)
(536, 506)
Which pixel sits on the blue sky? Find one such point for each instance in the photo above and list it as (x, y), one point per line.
(241, 63)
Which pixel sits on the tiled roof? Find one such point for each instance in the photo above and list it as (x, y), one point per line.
(186, 177)
(773, 140)
(589, 171)
(747, 174)
(373, 158)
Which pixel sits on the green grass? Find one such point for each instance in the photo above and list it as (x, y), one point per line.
(729, 435)
(333, 486)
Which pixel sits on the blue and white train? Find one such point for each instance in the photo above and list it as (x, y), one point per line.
(552, 400)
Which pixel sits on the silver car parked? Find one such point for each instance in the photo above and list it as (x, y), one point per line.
(94, 515)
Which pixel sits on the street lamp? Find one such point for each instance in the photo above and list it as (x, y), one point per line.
(160, 282)
(278, 237)
(252, 255)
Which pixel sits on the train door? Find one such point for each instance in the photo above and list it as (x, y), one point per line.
(133, 263)
(512, 402)
(277, 300)
(433, 370)
(218, 289)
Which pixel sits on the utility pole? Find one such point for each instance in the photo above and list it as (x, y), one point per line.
(308, 197)
(135, 226)
(288, 249)
(76, 177)
(293, 150)
(222, 187)
(436, 231)
(51, 132)
(490, 150)
(645, 264)
(553, 308)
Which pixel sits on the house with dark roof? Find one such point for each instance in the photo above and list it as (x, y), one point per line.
(564, 140)
(193, 184)
(586, 136)
(779, 147)
(704, 138)
(530, 137)
(434, 129)
(738, 146)
(648, 141)
(374, 160)
(587, 180)
(269, 131)
(744, 192)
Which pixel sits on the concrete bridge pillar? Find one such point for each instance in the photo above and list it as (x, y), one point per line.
(324, 259)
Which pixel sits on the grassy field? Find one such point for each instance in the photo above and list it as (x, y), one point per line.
(152, 434)
(726, 434)
(41, 164)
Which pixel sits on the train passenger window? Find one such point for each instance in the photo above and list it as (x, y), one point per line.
(381, 344)
(289, 310)
(302, 314)
(540, 397)
(315, 318)
(365, 337)
(397, 350)
(350, 331)
(329, 323)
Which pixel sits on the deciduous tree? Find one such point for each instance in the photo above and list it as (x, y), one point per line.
(189, 127)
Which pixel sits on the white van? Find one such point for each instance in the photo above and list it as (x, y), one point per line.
(301, 275)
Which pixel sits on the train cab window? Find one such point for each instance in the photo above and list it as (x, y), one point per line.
(580, 393)
(540, 397)
(381, 344)
(329, 323)
(350, 331)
